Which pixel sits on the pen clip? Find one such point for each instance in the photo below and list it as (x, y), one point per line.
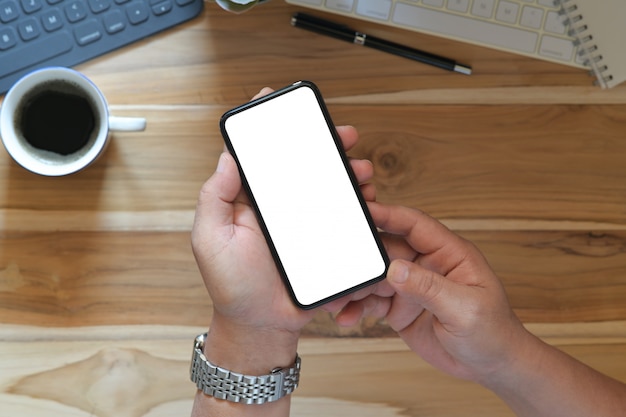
(359, 38)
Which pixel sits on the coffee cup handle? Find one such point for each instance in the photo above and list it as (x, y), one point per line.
(128, 124)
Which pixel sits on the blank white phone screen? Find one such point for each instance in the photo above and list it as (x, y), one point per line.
(305, 197)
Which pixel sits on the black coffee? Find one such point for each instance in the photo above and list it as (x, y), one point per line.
(57, 122)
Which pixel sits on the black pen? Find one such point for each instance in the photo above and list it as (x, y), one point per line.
(335, 30)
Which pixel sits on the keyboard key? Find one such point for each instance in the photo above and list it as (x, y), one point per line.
(507, 11)
(38, 51)
(76, 11)
(458, 5)
(31, 6)
(556, 48)
(52, 20)
(99, 6)
(554, 23)
(377, 9)
(137, 12)
(88, 32)
(343, 5)
(531, 17)
(8, 11)
(483, 8)
(162, 7)
(434, 3)
(114, 22)
(465, 28)
(8, 38)
(28, 29)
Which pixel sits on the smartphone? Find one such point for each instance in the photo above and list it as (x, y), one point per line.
(306, 197)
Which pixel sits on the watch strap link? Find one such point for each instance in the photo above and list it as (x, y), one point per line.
(235, 387)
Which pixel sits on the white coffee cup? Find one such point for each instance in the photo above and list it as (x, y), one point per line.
(55, 121)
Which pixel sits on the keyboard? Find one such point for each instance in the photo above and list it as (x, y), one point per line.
(41, 33)
(531, 28)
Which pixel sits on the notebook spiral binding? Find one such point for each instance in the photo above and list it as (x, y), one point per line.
(589, 51)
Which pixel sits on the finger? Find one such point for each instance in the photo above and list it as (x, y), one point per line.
(264, 91)
(417, 288)
(363, 170)
(424, 233)
(437, 247)
(398, 248)
(403, 312)
(371, 306)
(349, 136)
(369, 192)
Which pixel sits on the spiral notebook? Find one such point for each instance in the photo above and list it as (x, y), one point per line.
(601, 32)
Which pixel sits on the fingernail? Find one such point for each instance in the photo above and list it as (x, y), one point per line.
(399, 273)
(221, 163)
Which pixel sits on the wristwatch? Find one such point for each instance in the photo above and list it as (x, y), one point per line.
(239, 388)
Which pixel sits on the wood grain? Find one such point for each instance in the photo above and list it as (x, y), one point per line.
(143, 372)
(100, 296)
(508, 163)
(97, 278)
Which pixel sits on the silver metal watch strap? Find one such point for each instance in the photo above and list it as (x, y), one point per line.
(235, 387)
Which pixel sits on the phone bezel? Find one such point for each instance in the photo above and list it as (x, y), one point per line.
(348, 169)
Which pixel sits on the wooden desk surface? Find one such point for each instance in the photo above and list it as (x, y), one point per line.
(99, 293)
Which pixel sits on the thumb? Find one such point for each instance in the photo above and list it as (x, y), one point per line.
(418, 286)
(215, 203)
(226, 180)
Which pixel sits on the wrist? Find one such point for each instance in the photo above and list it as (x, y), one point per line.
(522, 359)
(245, 381)
(249, 350)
